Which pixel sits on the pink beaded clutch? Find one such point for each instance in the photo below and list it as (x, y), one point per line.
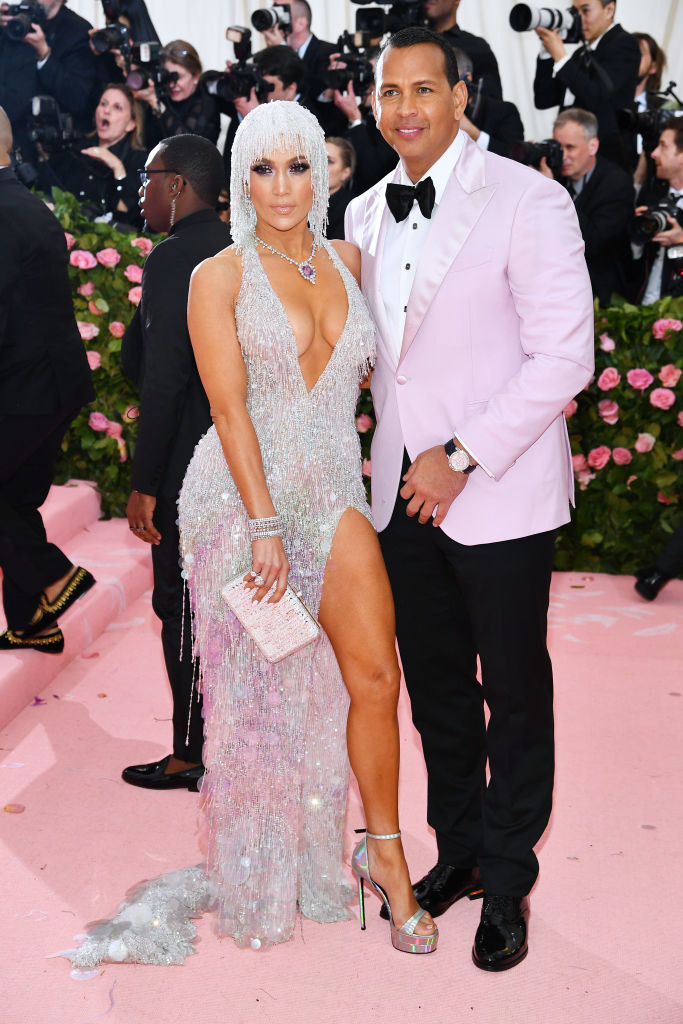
(278, 630)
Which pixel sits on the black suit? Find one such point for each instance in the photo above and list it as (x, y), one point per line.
(316, 60)
(70, 72)
(605, 209)
(500, 120)
(44, 382)
(174, 414)
(18, 83)
(375, 157)
(602, 81)
(484, 63)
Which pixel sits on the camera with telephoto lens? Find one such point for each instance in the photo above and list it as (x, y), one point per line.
(50, 128)
(531, 154)
(22, 16)
(525, 18)
(377, 21)
(242, 76)
(652, 220)
(277, 16)
(647, 123)
(112, 37)
(357, 69)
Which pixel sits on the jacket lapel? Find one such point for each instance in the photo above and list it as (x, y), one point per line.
(464, 200)
(374, 230)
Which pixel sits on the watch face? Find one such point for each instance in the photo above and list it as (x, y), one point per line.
(459, 460)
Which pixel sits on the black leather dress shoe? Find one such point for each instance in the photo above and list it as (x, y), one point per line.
(501, 939)
(443, 886)
(649, 582)
(154, 776)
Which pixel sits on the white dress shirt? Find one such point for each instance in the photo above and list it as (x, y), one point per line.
(404, 242)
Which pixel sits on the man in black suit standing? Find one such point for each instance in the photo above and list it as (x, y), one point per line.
(44, 382)
(600, 76)
(183, 179)
(18, 83)
(603, 196)
(65, 63)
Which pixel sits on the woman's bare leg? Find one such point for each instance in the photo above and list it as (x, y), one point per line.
(357, 613)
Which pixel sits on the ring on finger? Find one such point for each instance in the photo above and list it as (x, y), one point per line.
(258, 579)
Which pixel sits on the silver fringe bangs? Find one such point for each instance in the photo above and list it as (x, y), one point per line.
(279, 126)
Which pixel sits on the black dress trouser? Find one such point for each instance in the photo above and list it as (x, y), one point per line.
(29, 447)
(454, 602)
(168, 597)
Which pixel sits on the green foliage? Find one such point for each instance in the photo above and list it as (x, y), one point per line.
(624, 512)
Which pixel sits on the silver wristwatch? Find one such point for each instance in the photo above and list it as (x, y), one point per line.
(458, 458)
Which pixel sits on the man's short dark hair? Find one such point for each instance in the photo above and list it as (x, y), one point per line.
(417, 36)
(281, 62)
(675, 125)
(302, 9)
(198, 161)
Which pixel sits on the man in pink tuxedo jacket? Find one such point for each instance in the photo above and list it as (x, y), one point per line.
(473, 268)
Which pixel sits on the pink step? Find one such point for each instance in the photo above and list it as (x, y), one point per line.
(69, 508)
(122, 566)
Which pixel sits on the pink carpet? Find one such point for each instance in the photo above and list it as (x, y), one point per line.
(605, 936)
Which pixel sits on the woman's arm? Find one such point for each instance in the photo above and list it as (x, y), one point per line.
(214, 288)
(350, 255)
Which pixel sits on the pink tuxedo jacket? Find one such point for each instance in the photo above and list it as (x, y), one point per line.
(498, 338)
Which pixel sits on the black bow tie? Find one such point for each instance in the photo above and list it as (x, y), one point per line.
(400, 199)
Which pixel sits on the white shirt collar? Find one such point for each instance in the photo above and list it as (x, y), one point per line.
(440, 171)
(304, 46)
(596, 42)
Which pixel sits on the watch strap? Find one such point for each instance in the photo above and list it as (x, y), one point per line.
(450, 447)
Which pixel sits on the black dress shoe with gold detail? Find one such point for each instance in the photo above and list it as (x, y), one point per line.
(53, 643)
(155, 776)
(443, 886)
(649, 582)
(79, 582)
(501, 939)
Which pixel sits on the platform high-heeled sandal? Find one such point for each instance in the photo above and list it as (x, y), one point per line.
(403, 938)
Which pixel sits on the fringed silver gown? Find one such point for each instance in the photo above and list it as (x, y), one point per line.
(274, 794)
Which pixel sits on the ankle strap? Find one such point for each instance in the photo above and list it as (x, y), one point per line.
(394, 835)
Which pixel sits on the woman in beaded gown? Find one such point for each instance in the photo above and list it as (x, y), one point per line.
(283, 340)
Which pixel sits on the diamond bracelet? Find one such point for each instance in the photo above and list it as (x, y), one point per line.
(261, 528)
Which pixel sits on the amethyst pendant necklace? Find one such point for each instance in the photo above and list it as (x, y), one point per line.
(305, 268)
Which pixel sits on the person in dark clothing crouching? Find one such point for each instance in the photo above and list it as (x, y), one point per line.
(183, 179)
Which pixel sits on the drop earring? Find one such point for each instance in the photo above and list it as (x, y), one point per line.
(172, 212)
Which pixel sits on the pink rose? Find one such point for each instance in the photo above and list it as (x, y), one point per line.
(660, 327)
(131, 413)
(135, 294)
(622, 456)
(670, 375)
(114, 429)
(364, 422)
(662, 398)
(98, 421)
(606, 343)
(69, 240)
(599, 457)
(608, 379)
(145, 245)
(94, 308)
(570, 408)
(662, 498)
(117, 328)
(108, 257)
(86, 289)
(579, 462)
(609, 411)
(87, 331)
(82, 259)
(94, 360)
(134, 273)
(585, 478)
(367, 467)
(644, 443)
(678, 455)
(639, 379)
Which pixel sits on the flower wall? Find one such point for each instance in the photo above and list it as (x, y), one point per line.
(626, 428)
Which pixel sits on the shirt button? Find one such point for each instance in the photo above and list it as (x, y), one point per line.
(401, 379)
(414, 227)
(407, 266)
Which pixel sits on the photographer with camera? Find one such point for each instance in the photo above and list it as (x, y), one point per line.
(647, 102)
(442, 17)
(341, 163)
(493, 124)
(290, 24)
(603, 197)
(103, 172)
(600, 76)
(57, 38)
(18, 83)
(115, 45)
(657, 231)
(176, 96)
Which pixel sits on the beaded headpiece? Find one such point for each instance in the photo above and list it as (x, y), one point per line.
(281, 125)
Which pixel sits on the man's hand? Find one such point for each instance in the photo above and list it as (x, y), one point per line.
(552, 42)
(544, 169)
(139, 512)
(674, 236)
(347, 102)
(274, 36)
(36, 39)
(431, 484)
